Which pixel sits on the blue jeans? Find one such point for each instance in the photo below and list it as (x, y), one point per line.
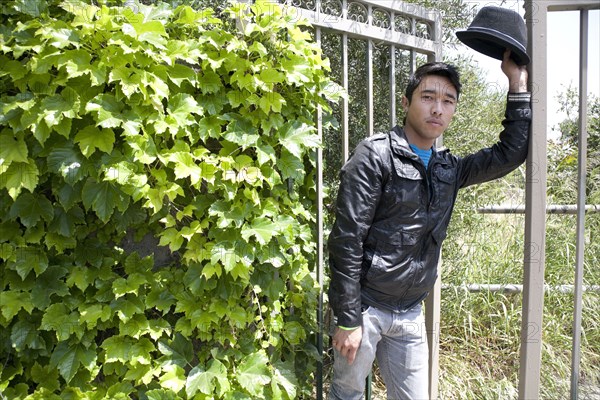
(399, 342)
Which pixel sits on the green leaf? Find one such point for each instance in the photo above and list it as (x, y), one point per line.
(186, 167)
(69, 358)
(12, 149)
(91, 138)
(172, 238)
(253, 372)
(108, 110)
(240, 131)
(173, 378)
(294, 332)
(64, 223)
(19, 175)
(297, 136)
(58, 318)
(51, 282)
(27, 259)
(25, 334)
(262, 229)
(67, 162)
(103, 198)
(200, 380)
(210, 82)
(162, 394)
(31, 208)
(283, 376)
(12, 301)
(178, 351)
(271, 101)
(181, 107)
(290, 166)
(128, 307)
(94, 312)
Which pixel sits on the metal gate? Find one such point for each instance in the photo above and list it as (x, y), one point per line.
(391, 36)
(405, 32)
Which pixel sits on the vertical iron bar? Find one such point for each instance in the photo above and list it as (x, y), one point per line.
(581, 184)
(320, 243)
(392, 83)
(535, 200)
(370, 111)
(345, 100)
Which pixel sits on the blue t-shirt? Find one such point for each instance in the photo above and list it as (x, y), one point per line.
(424, 155)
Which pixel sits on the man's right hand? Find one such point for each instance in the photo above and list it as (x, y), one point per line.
(347, 342)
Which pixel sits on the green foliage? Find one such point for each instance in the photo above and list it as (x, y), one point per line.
(480, 334)
(157, 201)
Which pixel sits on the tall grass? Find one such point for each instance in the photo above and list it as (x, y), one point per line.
(480, 332)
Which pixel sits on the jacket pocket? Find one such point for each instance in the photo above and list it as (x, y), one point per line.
(392, 251)
(445, 184)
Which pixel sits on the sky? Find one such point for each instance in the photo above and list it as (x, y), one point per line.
(563, 54)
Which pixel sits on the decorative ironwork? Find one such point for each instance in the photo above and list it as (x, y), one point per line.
(381, 18)
(402, 24)
(357, 12)
(423, 30)
(332, 8)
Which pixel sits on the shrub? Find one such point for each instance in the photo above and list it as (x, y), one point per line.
(157, 201)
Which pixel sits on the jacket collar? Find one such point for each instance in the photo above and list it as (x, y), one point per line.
(401, 146)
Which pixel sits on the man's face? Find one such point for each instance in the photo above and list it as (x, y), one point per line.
(430, 111)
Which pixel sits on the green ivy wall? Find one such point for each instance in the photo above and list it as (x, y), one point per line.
(157, 201)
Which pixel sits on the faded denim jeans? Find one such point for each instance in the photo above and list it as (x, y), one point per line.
(399, 342)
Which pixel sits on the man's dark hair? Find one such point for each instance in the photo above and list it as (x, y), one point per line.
(433, 68)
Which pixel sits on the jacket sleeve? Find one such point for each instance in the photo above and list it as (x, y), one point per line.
(508, 153)
(361, 182)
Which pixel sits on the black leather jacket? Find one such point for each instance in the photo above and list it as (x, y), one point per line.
(392, 214)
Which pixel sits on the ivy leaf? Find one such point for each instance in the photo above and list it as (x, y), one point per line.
(240, 130)
(283, 376)
(296, 136)
(31, 208)
(174, 378)
(294, 332)
(64, 222)
(27, 259)
(12, 301)
(162, 394)
(290, 166)
(262, 229)
(67, 162)
(185, 167)
(91, 138)
(297, 70)
(12, 149)
(103, 198)
(271, 101)
(178, 351)
(200, 380)
(181, 107)
(253, 372)
(108, 110)
(128, 307)
(58, 318)
(19, 175)
(25, 334)
(69, 358)
(210, 82)
(49, 283)
(90, 314)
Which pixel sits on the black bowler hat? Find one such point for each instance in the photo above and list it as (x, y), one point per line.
(495, 29)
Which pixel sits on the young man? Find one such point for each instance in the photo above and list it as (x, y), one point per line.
(394, 204)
